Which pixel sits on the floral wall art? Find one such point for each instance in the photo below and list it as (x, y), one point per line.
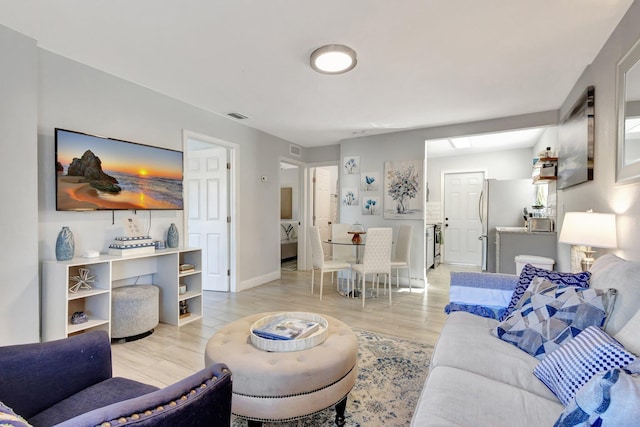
(403, 189)
(371, 205)
(370, 181)
(350, 196)
(351, 165)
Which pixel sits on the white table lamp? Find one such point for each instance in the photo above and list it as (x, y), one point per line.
(589, 229)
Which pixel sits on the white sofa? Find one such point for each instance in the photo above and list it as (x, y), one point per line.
(476, 379)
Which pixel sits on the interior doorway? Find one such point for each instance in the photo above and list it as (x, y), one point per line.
(290, 215)
(209, 217)
(462, 224)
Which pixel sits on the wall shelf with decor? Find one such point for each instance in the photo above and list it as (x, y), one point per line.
(545, 169)
(161, 269)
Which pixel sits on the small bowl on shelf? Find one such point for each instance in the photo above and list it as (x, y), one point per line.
(182, 289)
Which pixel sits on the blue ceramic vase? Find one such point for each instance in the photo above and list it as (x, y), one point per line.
(172, 236)
(64, 245)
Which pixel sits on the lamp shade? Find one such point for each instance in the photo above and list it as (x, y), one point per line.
(589, 229)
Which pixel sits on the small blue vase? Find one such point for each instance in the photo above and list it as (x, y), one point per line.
(64, 245)
(172, 236)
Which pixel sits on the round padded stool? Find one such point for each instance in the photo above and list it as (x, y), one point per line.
(281, 386)
(134, 311)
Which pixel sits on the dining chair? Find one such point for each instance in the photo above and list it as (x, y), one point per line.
(344, 253)
(376, 259)
(402, 256)
(325, 266)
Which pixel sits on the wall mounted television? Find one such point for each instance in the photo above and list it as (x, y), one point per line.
(99, 173)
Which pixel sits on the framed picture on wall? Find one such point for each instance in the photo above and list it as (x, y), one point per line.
(370, 181)
(371, 205)
(350, 196)
(351, 165)
(403, 189)
(576, 138)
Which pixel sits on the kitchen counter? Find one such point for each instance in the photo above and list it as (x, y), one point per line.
(521, 230)
(514, 241)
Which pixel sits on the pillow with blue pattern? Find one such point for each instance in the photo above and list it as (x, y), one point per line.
(9, 418)
(608, 399)
(575, 362)
(548, 315)
(581, 280)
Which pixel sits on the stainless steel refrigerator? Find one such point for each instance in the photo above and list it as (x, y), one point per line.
(502, 204)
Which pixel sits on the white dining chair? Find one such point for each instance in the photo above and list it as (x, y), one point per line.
(325, 266)
(340, 232)
(376, 259)
(402, 256)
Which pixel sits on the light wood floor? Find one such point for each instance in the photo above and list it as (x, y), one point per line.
(172, 353)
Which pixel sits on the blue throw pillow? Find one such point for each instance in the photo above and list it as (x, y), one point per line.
(608, 399)
(580, 280)
(10, 418)
(575, 362)
(548, 315)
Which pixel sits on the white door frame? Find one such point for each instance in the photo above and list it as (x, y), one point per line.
(308, 205)
(233, 199)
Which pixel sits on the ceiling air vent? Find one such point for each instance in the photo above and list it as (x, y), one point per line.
(294, 150)
(237, 116)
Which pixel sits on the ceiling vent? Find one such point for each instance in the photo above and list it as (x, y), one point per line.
(237, 116)
(294, 150)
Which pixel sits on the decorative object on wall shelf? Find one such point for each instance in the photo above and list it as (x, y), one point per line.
(79, 317)
(83, 280)
(403, 197)
(182, 289)
(172, 236)
(351, 165)
(65, 245)
(288, 230)
(184, 309)
(576, 139)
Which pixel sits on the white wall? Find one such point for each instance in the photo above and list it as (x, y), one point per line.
(19, 270)
(77, 97)
(603, 194)
(374, 152)
(509, 164)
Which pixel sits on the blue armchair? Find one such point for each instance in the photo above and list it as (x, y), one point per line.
(69, 382)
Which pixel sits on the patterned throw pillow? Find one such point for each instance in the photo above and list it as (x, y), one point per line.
(580, 280)
(11, 419)
(575, 362)
(608, 399)
(547, 315)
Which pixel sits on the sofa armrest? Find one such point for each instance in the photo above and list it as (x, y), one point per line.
(203, 398)
(36, 376)
(483, 294)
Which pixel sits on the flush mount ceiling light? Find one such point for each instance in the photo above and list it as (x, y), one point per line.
(333, 59)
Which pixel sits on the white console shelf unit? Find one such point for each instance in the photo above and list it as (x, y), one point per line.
(160, 268)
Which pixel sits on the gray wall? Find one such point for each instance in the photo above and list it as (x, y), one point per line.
(603, 194)
(19, 270)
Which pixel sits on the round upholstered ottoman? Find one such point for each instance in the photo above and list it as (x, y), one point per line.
(134, 311)
(280, 386)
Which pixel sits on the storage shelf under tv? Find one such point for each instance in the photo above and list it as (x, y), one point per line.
(160, 269)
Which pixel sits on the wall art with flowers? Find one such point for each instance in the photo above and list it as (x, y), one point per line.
(370, 181)
(350, 196)
(403, 189)
(371, 205)
(351, 165)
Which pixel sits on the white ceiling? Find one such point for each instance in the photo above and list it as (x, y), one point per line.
(420, 63)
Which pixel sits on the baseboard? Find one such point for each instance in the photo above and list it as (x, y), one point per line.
(257, 281)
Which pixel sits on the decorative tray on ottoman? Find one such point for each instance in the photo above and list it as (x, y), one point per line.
(289, 331)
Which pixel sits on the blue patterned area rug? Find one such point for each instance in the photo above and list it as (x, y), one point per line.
(391, 374)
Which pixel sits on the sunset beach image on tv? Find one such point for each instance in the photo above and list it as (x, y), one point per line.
(94, 173)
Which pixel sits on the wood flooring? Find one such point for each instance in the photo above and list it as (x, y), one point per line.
(172, 353)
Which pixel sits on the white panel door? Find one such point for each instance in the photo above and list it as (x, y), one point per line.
(207, 198)
(462, 225)
(322, 205)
